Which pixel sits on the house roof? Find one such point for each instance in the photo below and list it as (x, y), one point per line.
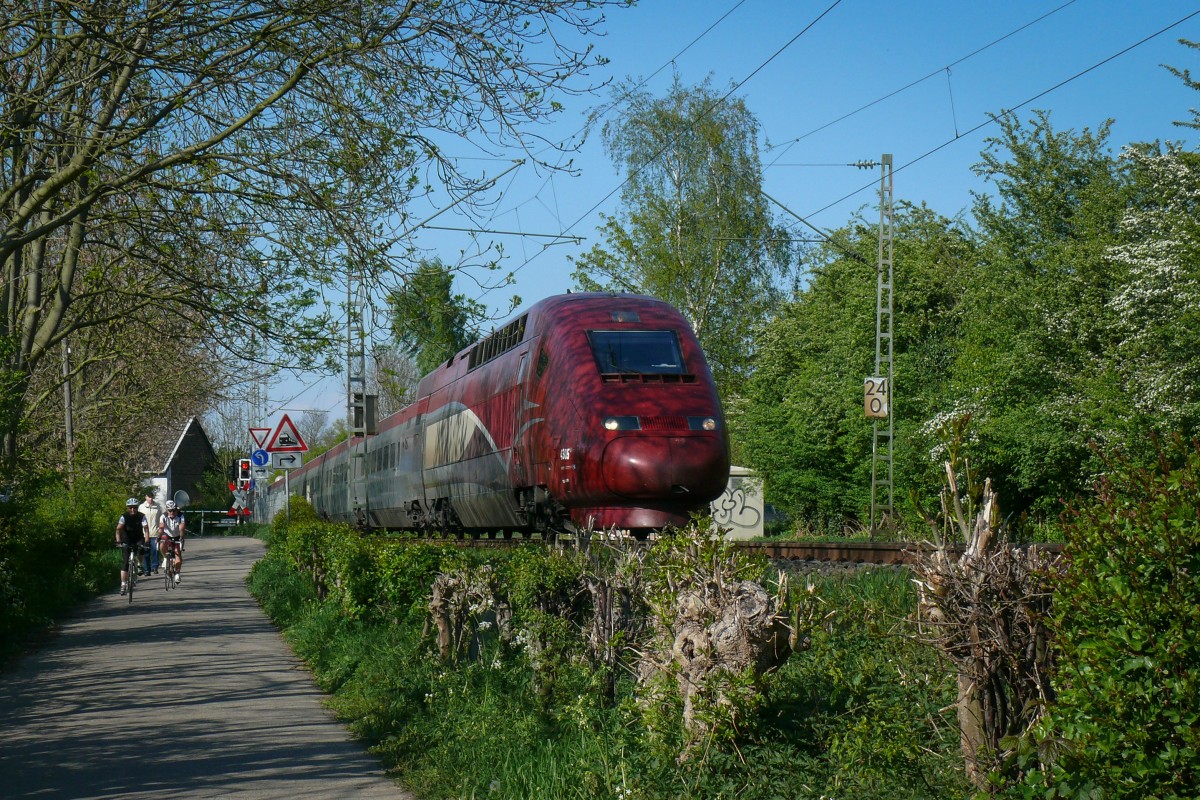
(161, 450)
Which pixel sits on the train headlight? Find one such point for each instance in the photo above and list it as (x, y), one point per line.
(702, 423)
(622, 424)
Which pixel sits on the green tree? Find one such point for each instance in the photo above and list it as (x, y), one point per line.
(695, 229)
(393, 378)
(1154, 311)
(219, 158)
(1185, 75)
(212, 490)
(328, 437)
(803, 422)
(1030, 360)
(430, 322)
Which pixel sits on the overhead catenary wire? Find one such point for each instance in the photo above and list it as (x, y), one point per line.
(702, 115)
(992, 119)
(787, 145)
(902, 166)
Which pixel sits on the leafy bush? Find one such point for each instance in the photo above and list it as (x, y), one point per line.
(281, 589)
(405, 572)
(55, 550)
(1127, 719)
(866, 706)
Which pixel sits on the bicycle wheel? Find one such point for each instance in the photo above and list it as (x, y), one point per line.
(131, 565)
(169, 568)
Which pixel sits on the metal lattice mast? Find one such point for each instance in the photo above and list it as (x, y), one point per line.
(257, 415)
(882, 494)
(356, 384)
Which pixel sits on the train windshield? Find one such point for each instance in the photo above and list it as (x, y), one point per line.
(637, 352)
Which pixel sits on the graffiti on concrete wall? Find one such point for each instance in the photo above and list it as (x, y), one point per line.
(740, 508)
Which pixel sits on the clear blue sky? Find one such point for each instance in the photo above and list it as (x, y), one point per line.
(801, 68)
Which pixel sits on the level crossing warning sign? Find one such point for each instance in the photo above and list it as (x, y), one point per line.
(286, 439)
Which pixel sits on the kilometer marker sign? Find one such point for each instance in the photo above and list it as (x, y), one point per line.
(875, 398)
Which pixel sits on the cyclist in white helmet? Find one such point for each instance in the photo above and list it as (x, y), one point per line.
(133, 531)
(171, 530)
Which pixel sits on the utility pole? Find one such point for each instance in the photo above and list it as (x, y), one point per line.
(880, 389)
(359, 408)
(257, 416)
(68, 416)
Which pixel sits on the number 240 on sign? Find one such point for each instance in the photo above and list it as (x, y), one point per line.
(875, 397)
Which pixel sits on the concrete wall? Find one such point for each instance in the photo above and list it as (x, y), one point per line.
(740, 509)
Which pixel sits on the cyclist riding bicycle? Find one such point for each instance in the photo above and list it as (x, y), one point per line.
(170, 535)
(132, 531)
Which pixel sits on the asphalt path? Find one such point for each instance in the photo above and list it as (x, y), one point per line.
(188, 693)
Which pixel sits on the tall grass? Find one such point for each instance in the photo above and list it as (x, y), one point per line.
(856, 715)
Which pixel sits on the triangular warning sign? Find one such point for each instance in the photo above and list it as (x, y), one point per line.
(259, 435)
(286, 438)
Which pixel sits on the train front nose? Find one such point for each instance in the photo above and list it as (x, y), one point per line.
(691, 469)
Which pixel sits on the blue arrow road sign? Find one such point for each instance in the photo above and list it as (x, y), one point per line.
(260, 458)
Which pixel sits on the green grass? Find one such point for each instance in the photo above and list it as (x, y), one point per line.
(856, 715)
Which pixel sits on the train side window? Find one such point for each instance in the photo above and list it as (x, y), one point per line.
(543, 362)
(497, 343)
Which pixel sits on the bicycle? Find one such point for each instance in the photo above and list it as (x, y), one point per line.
(133, 556)
(170, 562)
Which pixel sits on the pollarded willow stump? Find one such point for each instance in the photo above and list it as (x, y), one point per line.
(725, 636)
(464, 605)
(987, 612)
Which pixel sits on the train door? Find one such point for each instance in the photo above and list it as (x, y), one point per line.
(522, 435)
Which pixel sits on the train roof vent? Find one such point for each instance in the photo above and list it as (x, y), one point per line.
(498, 343)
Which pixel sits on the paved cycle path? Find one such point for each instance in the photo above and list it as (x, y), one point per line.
(189, 693)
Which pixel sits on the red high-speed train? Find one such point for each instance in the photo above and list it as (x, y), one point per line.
(587, 411)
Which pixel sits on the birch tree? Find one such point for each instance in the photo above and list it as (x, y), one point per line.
(694, 229)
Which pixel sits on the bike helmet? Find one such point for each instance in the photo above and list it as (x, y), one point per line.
(171, 505)
(131, 501)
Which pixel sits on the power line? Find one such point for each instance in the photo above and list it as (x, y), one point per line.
(993, 118)
(284, 404)
(604, 110)
(702, 115)
(791, 142)
(575, 239)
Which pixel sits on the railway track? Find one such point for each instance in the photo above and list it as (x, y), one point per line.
(890, 553)
(842, 552)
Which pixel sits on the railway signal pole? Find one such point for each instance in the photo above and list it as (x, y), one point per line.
(356, 385)
(880, 388)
